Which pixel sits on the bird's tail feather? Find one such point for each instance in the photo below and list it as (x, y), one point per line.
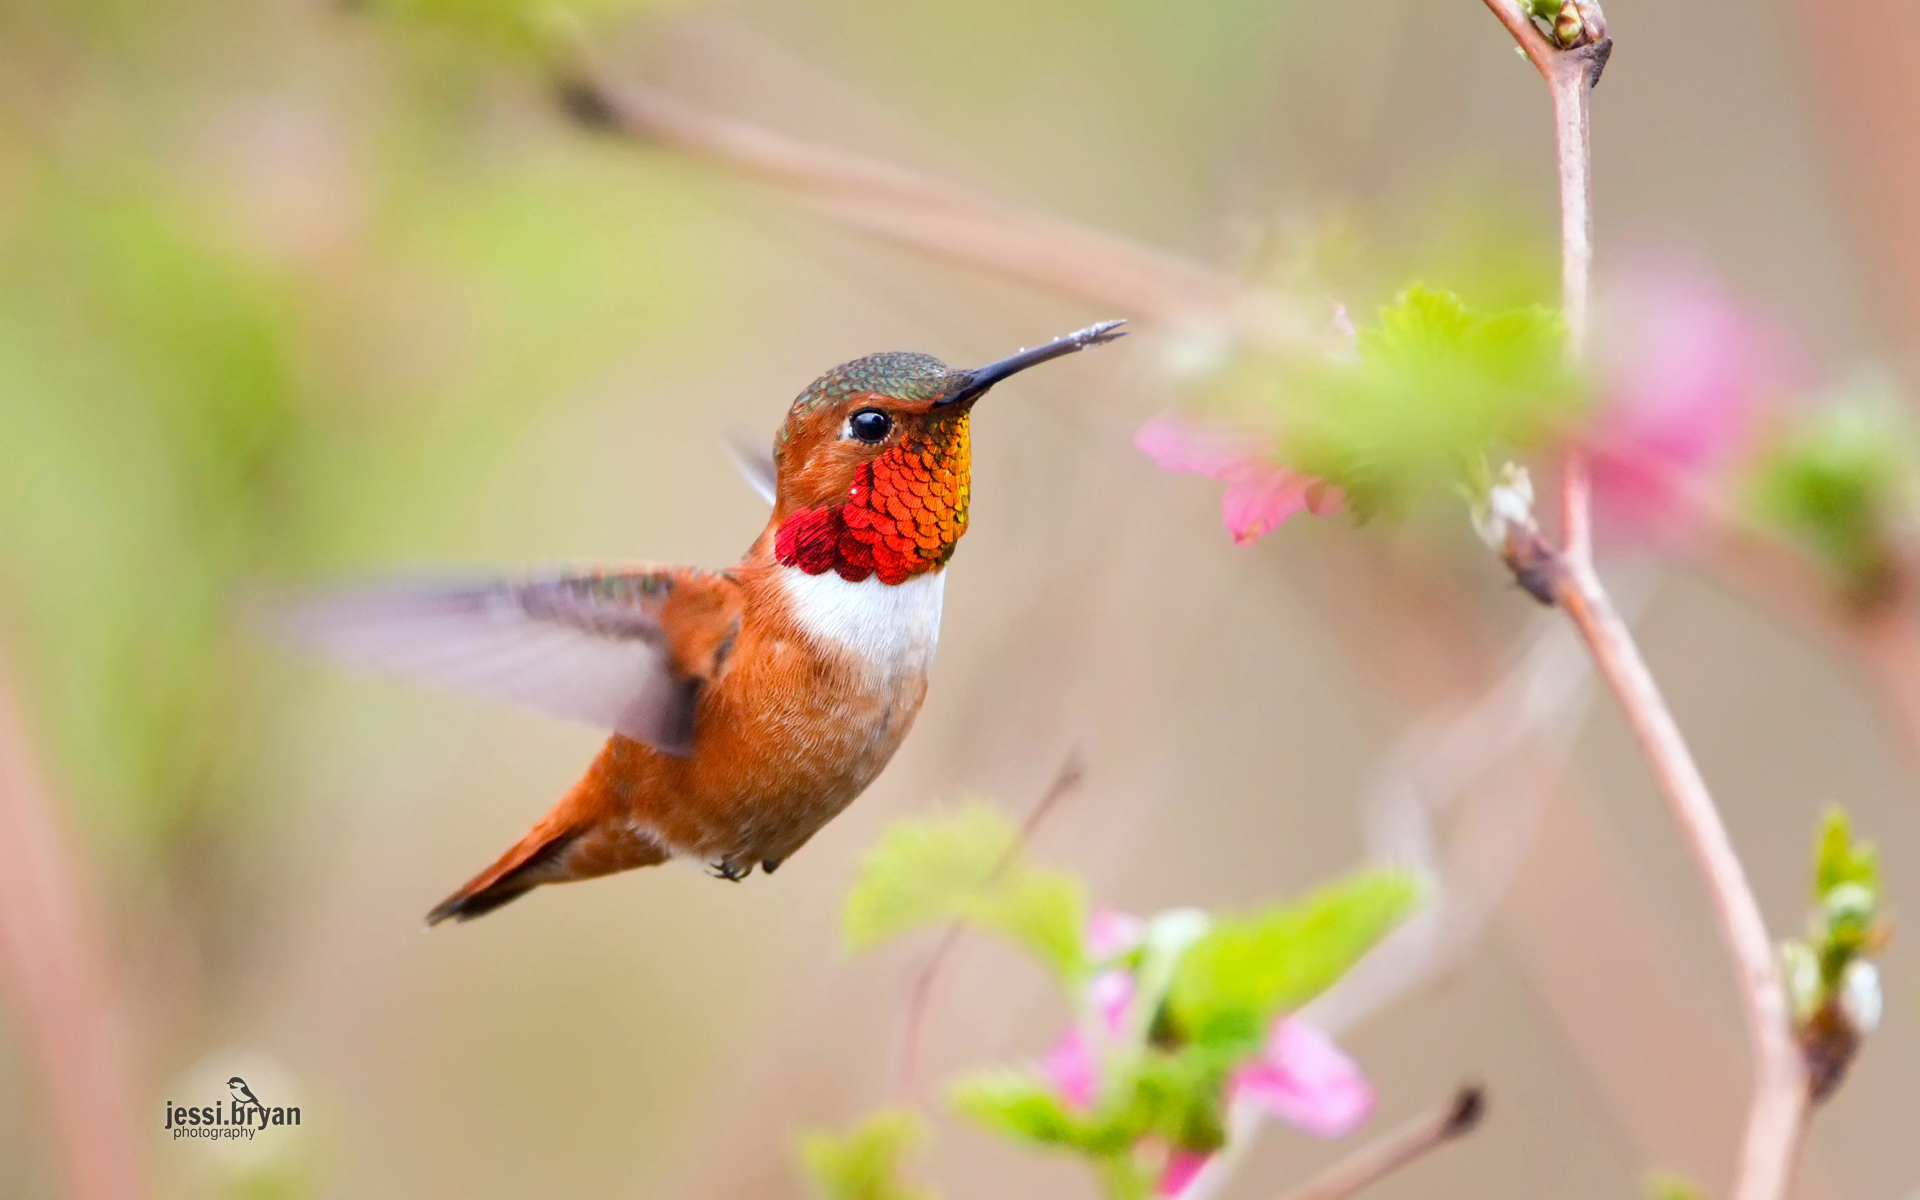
(532, 861)
(586, 834)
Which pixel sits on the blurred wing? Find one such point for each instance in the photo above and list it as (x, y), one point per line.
(593, 648)
(756, 465)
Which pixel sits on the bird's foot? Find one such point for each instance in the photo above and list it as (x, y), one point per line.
(730, 871)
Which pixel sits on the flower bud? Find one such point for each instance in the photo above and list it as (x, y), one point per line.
(1568, 26)
(1850, 909)
(1171, 932)
(1860, 998)
(1508, 503)
(1800, 969)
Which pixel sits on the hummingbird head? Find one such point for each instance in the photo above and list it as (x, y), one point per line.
(875, 458)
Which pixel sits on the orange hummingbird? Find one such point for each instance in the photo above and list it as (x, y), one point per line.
(748, 706)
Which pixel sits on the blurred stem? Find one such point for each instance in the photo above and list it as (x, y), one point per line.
(1880, 636)
(53, 969)
(1392, 1151)
(1776, 1114)
(1891, 647)
(935, 216)
(913, 1014)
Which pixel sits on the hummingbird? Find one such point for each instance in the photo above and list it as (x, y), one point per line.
(747, 707)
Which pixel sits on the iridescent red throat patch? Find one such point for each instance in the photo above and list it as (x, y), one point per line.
(902, 517)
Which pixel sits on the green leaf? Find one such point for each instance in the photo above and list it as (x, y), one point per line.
(1841, 486)
(1243, 973)
(1850, 912)
(865, 1164)
(1124, 1177)
(1436, 386)
(1181, 1095)
(1020, 1105)
(1839, 859)
(967, 866)
(1044, 911)
(1177, 1096)
(926, 871)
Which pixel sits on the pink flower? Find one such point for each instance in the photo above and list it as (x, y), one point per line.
(1110, 995)
(1073, 1070)
(1684, 378)
(1304, 1080)
(1260, 495)
(1072, 1067)
(1301, 1078)
(1183, 1167)
(1111, 934)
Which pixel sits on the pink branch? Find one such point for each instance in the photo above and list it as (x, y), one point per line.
(1570, 77)
(1776, 1113)
(1399, 1148)
(53, 969)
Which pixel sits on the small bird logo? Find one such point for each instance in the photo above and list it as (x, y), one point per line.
(244, 1094)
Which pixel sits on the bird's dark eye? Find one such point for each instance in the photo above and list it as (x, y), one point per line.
(870, 425)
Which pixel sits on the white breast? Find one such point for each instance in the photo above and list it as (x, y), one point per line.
(892, 627)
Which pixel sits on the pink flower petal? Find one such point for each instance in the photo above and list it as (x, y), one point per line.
(1260, 493)
(1304, 1080)
(1324, 498)
(1259, 499)
(1685, 377)
(1111, 934)
(1183, 1167)
(1110, 994)
(1071, 1069)
(1177, 444)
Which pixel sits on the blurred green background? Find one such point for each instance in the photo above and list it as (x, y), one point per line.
(296, 291)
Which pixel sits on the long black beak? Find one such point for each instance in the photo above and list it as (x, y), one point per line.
(982, 378)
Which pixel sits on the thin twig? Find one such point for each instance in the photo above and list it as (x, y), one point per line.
(1392, 1151)
(933, 215)
(1880, 634)
(1890, 645)
(1570, 78)
(1776, 1113)
(919, 995)
(53, 970)
(1539, 51)
(1664, 1119)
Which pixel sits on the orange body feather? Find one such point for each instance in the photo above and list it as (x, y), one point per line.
(788, 734)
